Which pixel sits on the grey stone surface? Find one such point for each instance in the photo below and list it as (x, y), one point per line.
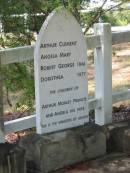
(119, 137)
(12, 159)
(54, 151)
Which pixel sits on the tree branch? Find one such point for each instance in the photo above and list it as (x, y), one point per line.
(96, 16)
(8, 100)
(101, 11)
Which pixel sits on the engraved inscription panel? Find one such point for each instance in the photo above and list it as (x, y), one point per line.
(60, 74)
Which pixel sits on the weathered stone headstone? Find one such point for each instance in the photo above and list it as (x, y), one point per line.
(60, 74)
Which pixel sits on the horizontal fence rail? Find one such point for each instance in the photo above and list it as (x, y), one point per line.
(20, 124)
(121, 96)
(26, 53)
(120, 37)
(93, 42)
(18, 54)
(30, 121)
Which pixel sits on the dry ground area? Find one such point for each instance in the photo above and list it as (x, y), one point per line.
(113, 163)
(120, 68)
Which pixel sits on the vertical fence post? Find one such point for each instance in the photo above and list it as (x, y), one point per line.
(103, 73)
(1, 106)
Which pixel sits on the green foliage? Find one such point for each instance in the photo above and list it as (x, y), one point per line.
(19, 77)
(87, 18)
(117, 18)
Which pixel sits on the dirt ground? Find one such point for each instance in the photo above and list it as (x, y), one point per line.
(120, 68)
(113, 163)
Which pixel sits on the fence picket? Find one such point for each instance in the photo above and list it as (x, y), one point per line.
(103, 73)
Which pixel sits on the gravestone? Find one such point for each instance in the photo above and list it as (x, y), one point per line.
(60, 74)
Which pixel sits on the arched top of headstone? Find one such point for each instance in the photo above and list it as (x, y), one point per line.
(60, 73)
(59, 18)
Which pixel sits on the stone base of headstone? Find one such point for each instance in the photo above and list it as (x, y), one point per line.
(118, 137)
(12, 159)
(54, 151)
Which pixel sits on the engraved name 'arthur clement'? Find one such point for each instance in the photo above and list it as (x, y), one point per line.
(61, 44)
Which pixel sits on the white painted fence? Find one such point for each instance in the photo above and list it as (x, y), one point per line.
(101, 42)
